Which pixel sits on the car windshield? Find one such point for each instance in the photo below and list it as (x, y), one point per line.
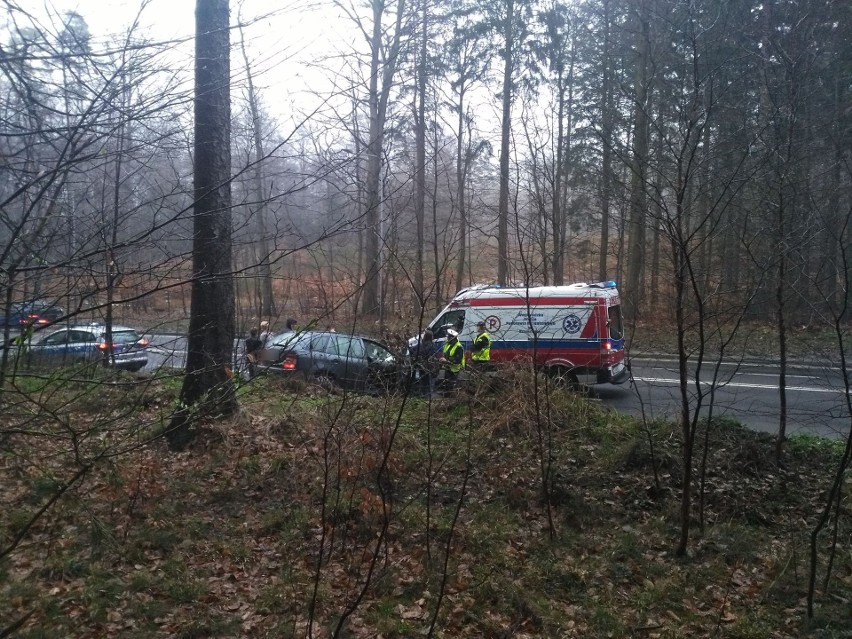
(378, 353)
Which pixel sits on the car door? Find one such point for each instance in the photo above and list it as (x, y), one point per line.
(325, 361)
(51, 349)
(352, 366)
(81, 346)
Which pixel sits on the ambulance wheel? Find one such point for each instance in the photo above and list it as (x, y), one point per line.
(564, 377)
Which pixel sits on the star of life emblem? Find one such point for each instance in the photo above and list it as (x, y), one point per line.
(571, 324)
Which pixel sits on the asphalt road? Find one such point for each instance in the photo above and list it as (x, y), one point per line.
(745, 391)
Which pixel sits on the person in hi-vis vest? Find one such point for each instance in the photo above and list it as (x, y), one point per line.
(453, 358)
(481, 349)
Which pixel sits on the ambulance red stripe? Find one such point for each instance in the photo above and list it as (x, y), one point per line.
(533, 301)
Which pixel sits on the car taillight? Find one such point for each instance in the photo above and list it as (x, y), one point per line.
(289, 363)
(102, 346)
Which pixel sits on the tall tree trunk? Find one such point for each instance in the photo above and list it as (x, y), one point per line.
(559, 162)
(657, 224)
(461, 178)
(437, 259)
(378, 103)
(420, 181)
(606, 148)
(264, 268)
(207, 384)
(505, 129)
(359, 206)
(563, 156)
(639, 159)
(110, 264)
(827, 268)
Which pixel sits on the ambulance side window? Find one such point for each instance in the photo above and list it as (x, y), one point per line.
(616, 328)
(452, 319)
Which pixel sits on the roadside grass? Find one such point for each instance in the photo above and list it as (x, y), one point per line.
(310, 502)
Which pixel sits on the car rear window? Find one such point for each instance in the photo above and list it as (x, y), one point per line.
(284, 339)
(125, 337)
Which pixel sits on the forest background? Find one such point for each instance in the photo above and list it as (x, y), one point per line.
(556, 142)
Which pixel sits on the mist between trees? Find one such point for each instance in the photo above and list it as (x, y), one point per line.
(503, 141)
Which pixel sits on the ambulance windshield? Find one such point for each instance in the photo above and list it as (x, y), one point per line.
(616, 328)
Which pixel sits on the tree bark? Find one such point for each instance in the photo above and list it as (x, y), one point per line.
(207, 385)
(264, 268)
(378, 103)
(505, 129)
(636, 230)
(461, 178)
(420, 180)
(607, 117)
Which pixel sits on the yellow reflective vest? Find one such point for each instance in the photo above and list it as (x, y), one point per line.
(454, 354)
(481, 348)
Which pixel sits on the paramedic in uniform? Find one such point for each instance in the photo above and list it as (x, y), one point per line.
(453, 358)
(481, 349)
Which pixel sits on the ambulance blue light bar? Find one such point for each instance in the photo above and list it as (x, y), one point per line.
(607, 284)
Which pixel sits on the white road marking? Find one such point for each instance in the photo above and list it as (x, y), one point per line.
(804, 389)
(775, 375)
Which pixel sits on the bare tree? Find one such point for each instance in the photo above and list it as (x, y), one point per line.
(467, 61)
(508, 18)
(384, 60)
(264, 268)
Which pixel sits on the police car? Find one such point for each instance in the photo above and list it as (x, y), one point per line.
(69, 345)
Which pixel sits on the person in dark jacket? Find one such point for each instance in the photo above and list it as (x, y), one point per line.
(422, 359)
(253, 347)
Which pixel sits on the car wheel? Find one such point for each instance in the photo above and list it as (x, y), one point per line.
(325, 380)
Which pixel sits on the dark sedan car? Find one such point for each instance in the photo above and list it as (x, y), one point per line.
(33, 313)
(350, 361)
(85, 343)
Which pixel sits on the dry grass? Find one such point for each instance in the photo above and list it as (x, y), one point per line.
(518, 514)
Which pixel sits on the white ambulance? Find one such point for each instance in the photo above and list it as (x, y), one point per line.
(574, 332)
